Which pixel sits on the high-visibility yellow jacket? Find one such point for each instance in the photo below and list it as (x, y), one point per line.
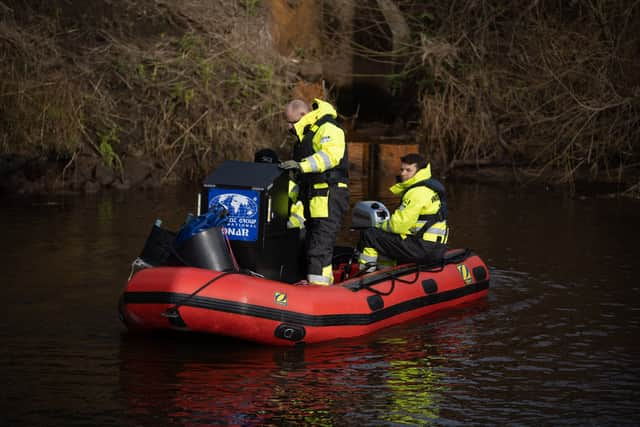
(296, 211)
(329, 147)
(418, 203)
(321, 151)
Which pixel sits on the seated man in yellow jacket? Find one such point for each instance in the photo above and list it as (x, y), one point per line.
(417, 230)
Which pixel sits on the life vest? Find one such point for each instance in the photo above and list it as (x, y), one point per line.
(437, 187)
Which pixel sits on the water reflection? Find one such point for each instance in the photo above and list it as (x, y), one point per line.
(195, 380)
(554, 343)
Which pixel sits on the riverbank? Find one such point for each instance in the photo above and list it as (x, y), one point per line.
(138, 94)
(40, 176)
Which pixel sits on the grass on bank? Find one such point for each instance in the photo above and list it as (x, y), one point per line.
(549, 85)
(202, 87)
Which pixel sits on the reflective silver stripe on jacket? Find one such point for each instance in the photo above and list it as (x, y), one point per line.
(433, 229)
(437, 231)
(300, 219)
(313, 164)
(315, 278)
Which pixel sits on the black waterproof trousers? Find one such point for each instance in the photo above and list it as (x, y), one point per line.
(409, 249)
(322, 232)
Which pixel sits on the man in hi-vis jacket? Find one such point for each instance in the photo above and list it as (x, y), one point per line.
(321, 162)
(417, 230)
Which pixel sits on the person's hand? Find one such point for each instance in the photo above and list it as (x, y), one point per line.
(289, 165)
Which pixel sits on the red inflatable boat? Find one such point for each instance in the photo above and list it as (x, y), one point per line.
(272, 312)
(233, 270)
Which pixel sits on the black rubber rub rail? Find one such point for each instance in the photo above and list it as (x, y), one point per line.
(302, 318)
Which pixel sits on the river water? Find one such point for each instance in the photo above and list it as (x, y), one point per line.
(555, 342)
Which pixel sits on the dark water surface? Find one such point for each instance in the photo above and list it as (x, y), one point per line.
(555, 343)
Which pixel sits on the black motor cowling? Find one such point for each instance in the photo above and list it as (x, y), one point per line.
(206, 249)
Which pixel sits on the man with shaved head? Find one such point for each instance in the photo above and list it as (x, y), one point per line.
(295, 110)
(321, 164)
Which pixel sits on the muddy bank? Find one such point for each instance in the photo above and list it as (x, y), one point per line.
(89, 174)
(82, 174)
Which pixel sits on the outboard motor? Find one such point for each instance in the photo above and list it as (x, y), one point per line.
(368, 213)
(201, 242)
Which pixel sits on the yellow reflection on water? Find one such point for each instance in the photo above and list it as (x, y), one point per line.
(414, 388)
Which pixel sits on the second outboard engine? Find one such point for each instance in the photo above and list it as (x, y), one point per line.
(368, 213)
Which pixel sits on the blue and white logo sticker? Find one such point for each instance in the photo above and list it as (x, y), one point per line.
(242, 223)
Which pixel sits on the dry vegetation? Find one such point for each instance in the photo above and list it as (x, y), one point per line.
(548, 85)
(185, 84)
(550, 88)
(544, 85)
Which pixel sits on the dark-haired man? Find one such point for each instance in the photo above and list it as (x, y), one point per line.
(417, 230)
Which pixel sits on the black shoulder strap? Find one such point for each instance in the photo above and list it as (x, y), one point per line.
(432, 184)
(437, 187)
(327, 118)
(304, 147)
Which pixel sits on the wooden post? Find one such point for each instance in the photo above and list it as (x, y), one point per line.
(372, 169)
